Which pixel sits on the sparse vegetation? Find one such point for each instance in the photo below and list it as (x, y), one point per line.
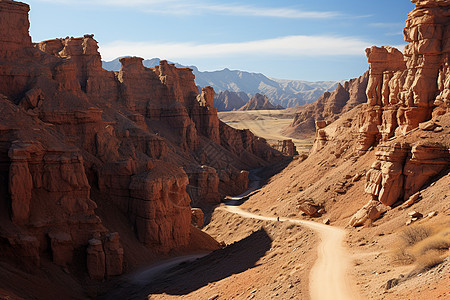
(425, 246)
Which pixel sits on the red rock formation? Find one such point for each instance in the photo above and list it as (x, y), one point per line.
(203, 185)
(259, 102)
(286, 147)
(14, 24)
(160, 207)
(401, 170)
(74, 136)
(328, 107)
(197, 217)
(404, 88)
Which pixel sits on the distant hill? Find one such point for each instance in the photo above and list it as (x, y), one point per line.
(226, 100)
(329, 107)
(259, 102)
(286, 93)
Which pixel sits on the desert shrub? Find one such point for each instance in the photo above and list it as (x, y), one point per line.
(428, 260)
(414, 234)
(422, 245)
(439, 241)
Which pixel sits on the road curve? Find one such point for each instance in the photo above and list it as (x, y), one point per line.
(328, 278)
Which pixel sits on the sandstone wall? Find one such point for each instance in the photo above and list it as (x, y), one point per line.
(73, 135)
(404, 88)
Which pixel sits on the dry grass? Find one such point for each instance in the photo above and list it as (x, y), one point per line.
(422, 245)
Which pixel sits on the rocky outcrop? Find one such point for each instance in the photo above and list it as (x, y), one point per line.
(197, 217)
(328, 107)
(227, 101)
(400, 171)
(203, 185)
(404, 88)
(287, 147)
(14, 24)
(259, 102)
(159, 207)
(104, 257)
(80, 145)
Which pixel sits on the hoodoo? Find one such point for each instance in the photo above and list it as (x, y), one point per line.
(86, 154)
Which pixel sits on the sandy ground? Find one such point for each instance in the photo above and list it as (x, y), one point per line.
(267, 124)
(328, 279)
(262, 260)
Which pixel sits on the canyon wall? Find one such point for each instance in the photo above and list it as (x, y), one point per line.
(408, 93)
(328, 107)
(404, 89)
(141, 142)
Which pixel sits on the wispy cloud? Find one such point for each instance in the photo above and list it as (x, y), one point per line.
(387, 25)
(179, 7)
(295, 46)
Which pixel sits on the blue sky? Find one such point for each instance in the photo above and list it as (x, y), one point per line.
(287, 39)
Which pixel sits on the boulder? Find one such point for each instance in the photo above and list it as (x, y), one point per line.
(369, 212)
(309, 207)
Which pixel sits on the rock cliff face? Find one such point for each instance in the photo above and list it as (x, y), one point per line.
(404, 91)
(140, 141)
(259, 102)
(403, 125)
(404, 88)
(287, 147)
(329, 106)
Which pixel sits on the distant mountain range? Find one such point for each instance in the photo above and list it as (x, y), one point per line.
(286, 93)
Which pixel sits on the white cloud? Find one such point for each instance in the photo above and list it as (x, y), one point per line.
(180, 7)
(295, 46)
(387, 25)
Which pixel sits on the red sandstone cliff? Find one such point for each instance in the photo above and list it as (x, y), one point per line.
(140, 143)
(405, 119)
(404, 89)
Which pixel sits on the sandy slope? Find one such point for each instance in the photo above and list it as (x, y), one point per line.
(328, 278)
(267, 124)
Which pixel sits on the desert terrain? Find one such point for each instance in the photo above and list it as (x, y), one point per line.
(129, 184)
(268, 124)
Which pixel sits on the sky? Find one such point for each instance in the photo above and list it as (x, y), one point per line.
(287, 39)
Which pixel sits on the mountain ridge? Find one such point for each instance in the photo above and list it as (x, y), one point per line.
(283, 92)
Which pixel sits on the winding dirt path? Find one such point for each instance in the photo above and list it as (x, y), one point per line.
(328, 278)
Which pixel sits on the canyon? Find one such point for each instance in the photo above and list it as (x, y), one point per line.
(282, 92)
(106, 172)
(98, 166)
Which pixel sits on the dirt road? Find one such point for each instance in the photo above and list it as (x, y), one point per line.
(328, 278)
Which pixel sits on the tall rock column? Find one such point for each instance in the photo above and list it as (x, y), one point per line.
(14, 24)
(404, 88)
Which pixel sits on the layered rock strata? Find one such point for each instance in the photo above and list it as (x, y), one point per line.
(74, 136)
(328, 107)
(404, 89)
